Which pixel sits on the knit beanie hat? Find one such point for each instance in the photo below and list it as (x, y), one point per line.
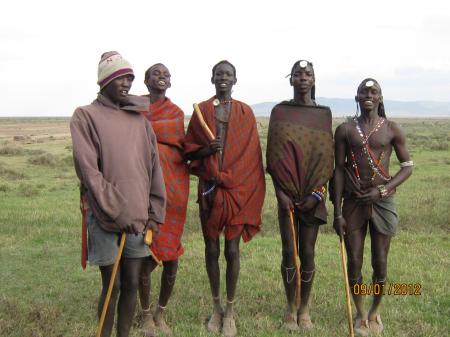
(111, 66)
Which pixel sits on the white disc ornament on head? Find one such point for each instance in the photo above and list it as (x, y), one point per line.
(370, 83)
(303, 64)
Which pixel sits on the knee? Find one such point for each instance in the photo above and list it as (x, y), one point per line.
(288, 256)
(379, 266)
(144, 279)
(307, 258)
(130, 283)
(212, 251)
(231, 253)
(354, 266)
(115, 289)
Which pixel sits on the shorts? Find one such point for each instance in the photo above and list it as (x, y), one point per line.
(103, 246)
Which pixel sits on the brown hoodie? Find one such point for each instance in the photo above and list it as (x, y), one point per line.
(116, 159)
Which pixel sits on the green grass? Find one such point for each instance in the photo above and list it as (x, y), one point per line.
(44, 292)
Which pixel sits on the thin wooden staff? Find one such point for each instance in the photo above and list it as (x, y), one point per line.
(296, 261)
(148, 238)
(347, 287)
(202, 122)
(111, 285)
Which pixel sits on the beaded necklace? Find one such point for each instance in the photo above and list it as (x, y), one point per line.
(375, 164)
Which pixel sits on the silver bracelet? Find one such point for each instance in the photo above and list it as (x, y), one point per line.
(407, 163)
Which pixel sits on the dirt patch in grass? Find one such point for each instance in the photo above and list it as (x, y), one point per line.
(9, 174)
(45, 159)
(28, 190)
(11, 150)
(39, 321)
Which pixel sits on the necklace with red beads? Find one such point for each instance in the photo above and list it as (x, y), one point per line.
(375, 164)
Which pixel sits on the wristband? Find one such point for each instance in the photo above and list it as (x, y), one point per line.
(383, 191)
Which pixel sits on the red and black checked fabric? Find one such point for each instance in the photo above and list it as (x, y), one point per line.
(240, 195)
(167, 120)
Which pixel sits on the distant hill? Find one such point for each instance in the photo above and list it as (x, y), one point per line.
(347, 107)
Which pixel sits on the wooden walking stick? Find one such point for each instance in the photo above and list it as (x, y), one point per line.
(148, 238)
(111, 285)
(296, 261)
(206, 128)
(202, 122)
(347, 287)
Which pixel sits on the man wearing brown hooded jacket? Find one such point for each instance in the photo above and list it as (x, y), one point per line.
(116, 159)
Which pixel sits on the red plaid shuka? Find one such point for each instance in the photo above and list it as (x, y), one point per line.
(239, 197)
(167, 120)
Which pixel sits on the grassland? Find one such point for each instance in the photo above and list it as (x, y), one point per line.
(45, 293)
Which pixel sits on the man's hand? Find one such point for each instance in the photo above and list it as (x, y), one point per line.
(307, 203)
(153, 226)
(340, 225)
(284, 201)
(369, 197)
(130, 229)
(215, 146)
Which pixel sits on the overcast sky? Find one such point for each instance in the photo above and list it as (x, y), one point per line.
(49, 50)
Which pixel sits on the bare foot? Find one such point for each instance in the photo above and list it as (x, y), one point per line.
(229, 327)
(290, 322)
(215, 321)
(375, 325)
(148, 325)
(361, 327)
(162, 326)
(304, 321)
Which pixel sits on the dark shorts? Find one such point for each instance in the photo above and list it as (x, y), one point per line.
(103, 246)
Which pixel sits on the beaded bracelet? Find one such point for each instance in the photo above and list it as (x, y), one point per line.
(319, 193)
(383, 191)
(317, 196)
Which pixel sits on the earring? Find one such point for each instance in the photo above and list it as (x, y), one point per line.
(357, 109)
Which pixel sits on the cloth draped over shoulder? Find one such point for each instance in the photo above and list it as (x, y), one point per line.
(167, 120)
(300, 154)
(240, 192)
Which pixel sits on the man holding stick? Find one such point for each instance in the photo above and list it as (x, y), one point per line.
(300, 161)
(362, 181)
(231, 185)
(123, 190)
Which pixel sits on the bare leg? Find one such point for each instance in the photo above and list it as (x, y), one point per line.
(287, 262)
(148, 325)
(380, 244)
(307, 242)
(130, 270)
(106, 272)
(354, 243)
(168, 277)
(212, 253)
(148, 265)
(233, 267)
